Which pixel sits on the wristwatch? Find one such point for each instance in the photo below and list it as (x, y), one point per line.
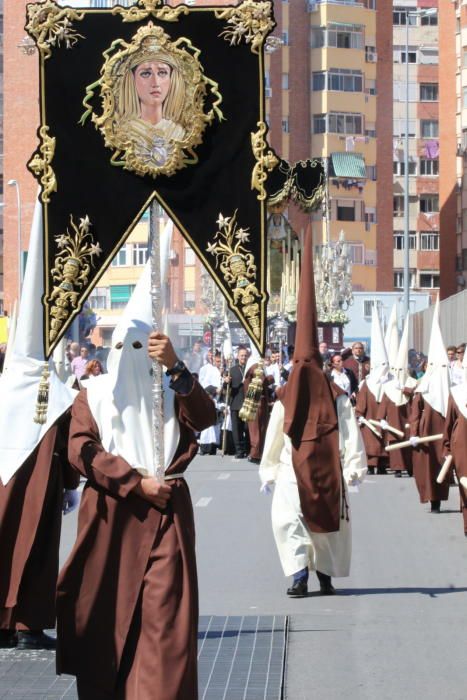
(178, 368)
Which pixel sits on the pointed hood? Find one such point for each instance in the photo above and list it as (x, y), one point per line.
(121, 400)
(310, 418)
(394, 389)
(11, 336)
(391, 338)
(19, 384)
(379, 358)
(434, 385)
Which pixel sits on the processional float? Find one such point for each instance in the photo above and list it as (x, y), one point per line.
(194, 143)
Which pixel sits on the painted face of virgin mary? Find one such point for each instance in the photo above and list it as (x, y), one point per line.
(152, 83)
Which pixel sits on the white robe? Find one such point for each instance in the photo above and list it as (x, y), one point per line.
(209, 375)
(328, 553)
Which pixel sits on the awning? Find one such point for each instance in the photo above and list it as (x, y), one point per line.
(121, 293)
(348, 165)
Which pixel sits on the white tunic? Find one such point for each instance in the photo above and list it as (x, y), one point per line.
(330, 552)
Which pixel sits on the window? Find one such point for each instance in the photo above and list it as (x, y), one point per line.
(371, 172)
(398, 205)
(399, 279)
(345, 123)
(429, 92)
(189, 301)
(429, 20)
(429, 241)
(190, 257)
(399, 167)
(429, 203)
(98, 298)
(319, 81)
(400, 16)
(368, 305)
(120, 260)
(285, 81)
(357, 253)
(429, 55)
(399, 127)
(370, 86)
(345, 36)
(345, 212)
(285, 125)
(370, 217)
(285, 38)
(319, 123)
(370, 130)
(400, 91)
(398, 240)
(344, 80)
(429, 166)
(120, 295)
(464, 58)
(429, 280)
(464, 97)
(428, 128)
(412, 57)
(317, 37)
(140, 253)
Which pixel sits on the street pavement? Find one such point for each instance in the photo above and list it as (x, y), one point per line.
(396, 629)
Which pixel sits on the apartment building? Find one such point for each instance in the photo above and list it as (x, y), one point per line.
(416, 55)
(326, 99)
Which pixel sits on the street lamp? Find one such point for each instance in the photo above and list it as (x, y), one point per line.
(408, 15)
(15, 183)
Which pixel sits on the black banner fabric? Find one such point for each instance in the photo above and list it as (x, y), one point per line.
(91, 204)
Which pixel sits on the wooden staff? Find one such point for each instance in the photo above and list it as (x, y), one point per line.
(397, 432)
(364, 421)
(407, 443)
(444, 470)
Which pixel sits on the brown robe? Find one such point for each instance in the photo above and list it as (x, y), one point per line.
(257, 428)
(30, 524)
(455, 443)
(427, 459)
(397, 417)
(127, 603)
(367, 407)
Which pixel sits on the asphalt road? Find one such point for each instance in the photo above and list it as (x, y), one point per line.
(396, 630)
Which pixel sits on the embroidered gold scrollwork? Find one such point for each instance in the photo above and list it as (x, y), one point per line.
(40, 164)
(238, 268)
(73, 263)
(155, 8)
(265, 160)
(250, 22)
(51, 25)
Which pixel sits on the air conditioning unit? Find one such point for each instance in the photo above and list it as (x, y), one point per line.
(268, 92)
(371, 58)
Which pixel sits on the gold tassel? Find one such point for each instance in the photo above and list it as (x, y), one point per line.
(42, 402)
(253, 397)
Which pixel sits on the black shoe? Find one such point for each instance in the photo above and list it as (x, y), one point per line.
(299, 589)
(371, 470)
(435, 506)
(35, 640)
(254, 460)
(398, 474)
(8, 639)
(381, 470)
(325, 584)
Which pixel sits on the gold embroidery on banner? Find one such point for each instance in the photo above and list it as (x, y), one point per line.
(238, 267)
(51, 25)
(144, 8)
(73, 263)
(40, 164)
(139, 145)
(250, 22)
(265, 160)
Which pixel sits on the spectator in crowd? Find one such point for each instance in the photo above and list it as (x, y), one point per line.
(93, 369)
(457, 372)
(356, 360)
(194, 360)
(451, 353)
(78, 364)
(342, 376)
(325, 354)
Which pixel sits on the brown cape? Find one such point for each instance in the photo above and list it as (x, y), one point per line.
(427, 459)
(105, 587)
(30, 524)
(369, 408)
(455, 443)
(397, 417)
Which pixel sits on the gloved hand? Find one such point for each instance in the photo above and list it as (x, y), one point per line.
(384, 424)
(266, 489)
(414, 441)
(360, 420)
(353, 479)
(70, 500)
